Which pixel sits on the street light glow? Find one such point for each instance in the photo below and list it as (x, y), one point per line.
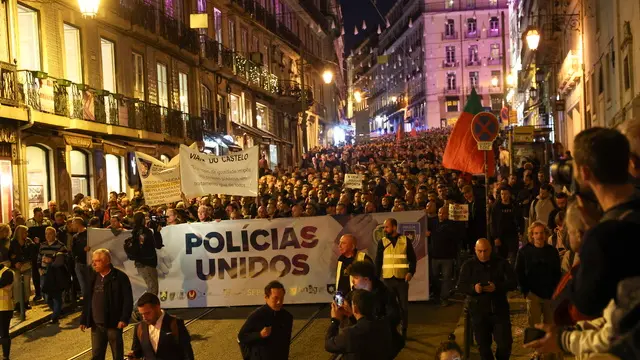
(357, 96)
(327, 76)
(511, 80)
(494, 81)
(533, 38)
(89, 8)
(394, 98)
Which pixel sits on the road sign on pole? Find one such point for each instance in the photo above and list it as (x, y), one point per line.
(504, 115)
(484, 128)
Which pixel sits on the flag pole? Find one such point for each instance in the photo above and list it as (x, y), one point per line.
(486, 190)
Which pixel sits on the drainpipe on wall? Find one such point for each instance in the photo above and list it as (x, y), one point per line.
(22, 175)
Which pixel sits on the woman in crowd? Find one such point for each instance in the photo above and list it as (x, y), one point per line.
(6, 291)
(21, 252)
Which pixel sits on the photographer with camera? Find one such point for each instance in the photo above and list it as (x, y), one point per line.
(141, 248)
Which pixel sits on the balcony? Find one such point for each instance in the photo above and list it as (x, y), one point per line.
(78, 101)
(450, 35)
(153, 20)
(291, 89)
(8, 82)
(479, 89)
(451, 90)
(493, 32)
(570, 73)
(472, 34)
(450, 64)
(473, 62)
(316, 14)
(258, 13)
(494, 60)
(440, 6)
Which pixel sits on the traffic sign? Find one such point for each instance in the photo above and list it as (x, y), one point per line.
(504, 115)
(485, 127)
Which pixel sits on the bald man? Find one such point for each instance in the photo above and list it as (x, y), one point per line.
(486, 279)
(348, 254)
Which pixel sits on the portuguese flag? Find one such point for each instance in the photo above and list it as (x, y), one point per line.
(462, 151)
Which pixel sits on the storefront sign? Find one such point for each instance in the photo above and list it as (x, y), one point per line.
(233, 174)
(160, 181)
(78, 141)
(47, 103)
(36, 194)
(353, 181)
(523, 134)
(229, 262)
(459, 212)
(114, 149)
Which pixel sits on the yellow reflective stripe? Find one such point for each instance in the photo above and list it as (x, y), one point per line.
(395, 266)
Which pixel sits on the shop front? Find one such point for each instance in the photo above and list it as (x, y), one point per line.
(7, 150)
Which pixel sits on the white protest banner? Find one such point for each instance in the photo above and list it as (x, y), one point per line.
(353, 181)
(459, 212)
(232, 174)
(160, 181)
(228, 263)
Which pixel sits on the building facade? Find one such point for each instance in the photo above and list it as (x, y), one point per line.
(80, 95)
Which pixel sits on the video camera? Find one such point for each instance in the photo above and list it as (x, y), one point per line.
(157, 220)
(562, 174)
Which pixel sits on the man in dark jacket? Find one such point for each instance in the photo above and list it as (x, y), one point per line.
(79, 250)
(267, 332)
(386, 307)
(107, 306)
(445, 239)
(477, 224)
(160, 336)
(506, 225)
(486, 279)
(538, 271)
(367, 339)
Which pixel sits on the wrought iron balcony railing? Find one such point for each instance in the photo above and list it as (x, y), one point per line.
(78, 101)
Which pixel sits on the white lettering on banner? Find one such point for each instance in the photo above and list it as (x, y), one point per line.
(228, 263)
(233, 174)
(459, 212)
(160, 181)
(353, 181)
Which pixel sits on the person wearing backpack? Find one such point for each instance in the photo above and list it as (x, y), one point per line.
(160, 336)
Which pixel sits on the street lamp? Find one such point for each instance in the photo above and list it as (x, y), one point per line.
(89, 8)
(394, 98)
(327, 76)
(511, 80)
(533, 93)
(533, 38)
(494, 81)
(357, 95)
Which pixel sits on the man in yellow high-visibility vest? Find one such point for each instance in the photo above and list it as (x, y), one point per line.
(348, 255)
(396, 261)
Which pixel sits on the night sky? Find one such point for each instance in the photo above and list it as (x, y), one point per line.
(354, 11)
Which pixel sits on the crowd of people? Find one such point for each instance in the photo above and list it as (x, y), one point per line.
(558, 247)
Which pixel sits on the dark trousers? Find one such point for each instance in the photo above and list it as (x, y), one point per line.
(5, 338)
(400, 288)
(486, 328)
(444, 286)
(100, 337)
(35, 277)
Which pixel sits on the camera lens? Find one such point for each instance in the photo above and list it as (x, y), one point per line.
(562, 172)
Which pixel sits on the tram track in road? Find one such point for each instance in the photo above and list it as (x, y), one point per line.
(206, 312)
(308, 323)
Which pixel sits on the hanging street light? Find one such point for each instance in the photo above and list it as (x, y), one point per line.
(327, 76)
(364, 25)
(533, 38)
(410, 23)
(533, 93)
(355, 31)
(89, 8)
(494, 81)
(357, 95)
(379, 30)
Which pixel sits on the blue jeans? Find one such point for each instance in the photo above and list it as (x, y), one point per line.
(82, 272)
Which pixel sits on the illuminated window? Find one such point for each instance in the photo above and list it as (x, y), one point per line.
(29, 38)
(38, 171)
(453, 105)
(80, 173)
(114, 166)
(262, 116)
(234, 104)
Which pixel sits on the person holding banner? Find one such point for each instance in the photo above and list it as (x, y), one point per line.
(396, 261)
(348, 254)
(267, 332)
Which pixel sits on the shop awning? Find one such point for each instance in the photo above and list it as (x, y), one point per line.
(221, 140)
(261, 134)
(149, 149)
(114, 149)
(77, 140)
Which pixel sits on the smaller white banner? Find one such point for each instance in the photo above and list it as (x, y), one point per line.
(353, 181)
(232, 174)
(160, 181)
(459, 212)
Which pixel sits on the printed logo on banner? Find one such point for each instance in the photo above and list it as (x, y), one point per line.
(163, 296)
(191, 294)
(172, 295)
(411, 231)
(181, 295)
(331, 288)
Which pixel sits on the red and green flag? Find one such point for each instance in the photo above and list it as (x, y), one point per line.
(462, 151)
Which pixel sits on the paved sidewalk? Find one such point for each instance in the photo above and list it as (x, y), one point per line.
(519, 322)
(38, 315)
